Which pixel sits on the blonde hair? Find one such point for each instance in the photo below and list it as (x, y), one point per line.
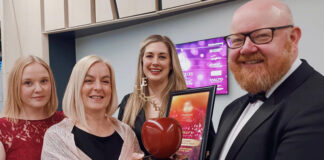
(14, 104)
(73, 106)
(176, 80)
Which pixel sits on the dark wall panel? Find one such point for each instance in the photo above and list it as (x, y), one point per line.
(62, 59)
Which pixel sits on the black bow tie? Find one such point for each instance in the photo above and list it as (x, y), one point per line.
(259, 96)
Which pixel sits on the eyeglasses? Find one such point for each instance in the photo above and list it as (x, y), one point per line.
(258, 36)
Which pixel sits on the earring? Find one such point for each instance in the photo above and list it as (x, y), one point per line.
(143, 82)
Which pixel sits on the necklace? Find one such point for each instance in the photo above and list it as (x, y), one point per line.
(149, 99)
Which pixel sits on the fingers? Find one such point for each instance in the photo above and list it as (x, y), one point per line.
(137, 156)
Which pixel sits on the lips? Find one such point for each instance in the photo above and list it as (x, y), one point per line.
(38, 97)
(95, 97)
(155, 70)
(250, 59)
(253, 61)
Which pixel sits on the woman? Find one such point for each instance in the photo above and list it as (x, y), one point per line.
(29, 111)
(158, 73)
(89, 131)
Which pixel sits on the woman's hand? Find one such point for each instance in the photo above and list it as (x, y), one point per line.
(137, 156)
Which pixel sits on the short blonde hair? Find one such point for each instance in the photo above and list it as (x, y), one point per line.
(73, 106)
(14, 104)
(176, 80)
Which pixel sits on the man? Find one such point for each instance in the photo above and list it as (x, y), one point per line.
(287, 122)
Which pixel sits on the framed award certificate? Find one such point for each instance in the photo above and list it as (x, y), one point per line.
(193, 109)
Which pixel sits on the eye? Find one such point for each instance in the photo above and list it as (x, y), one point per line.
(162, 57)
(27, 83)
(237, 40)
(87, 80)
(262, 37)
(44, 81)
(148, 56)
(106, 81)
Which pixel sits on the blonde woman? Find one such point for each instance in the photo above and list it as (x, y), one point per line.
(30, 109)
(89, 131)
(158, 73)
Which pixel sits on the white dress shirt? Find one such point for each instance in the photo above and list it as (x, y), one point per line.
(250, 109)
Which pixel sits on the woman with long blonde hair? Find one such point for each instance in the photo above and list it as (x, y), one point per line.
(158, 74)
(30, 109)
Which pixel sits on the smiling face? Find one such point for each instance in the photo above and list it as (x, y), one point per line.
(258, 67)
(156, 62)
(35, 88)
(96, 88)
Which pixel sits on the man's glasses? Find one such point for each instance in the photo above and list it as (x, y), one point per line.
(259, 36)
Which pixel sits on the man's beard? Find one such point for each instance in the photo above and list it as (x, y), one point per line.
(259, 79)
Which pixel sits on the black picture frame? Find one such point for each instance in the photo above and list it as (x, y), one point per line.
(177, 109)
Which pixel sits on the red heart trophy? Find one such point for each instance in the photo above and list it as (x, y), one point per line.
(162, 137)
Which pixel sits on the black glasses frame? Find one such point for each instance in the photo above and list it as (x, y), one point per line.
(248, 34)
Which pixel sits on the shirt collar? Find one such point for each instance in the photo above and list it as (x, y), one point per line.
(294, 66)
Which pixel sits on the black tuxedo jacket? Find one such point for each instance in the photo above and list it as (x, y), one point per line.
(287, 126)
(140, 119)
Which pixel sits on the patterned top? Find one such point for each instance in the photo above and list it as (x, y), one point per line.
(24, 140)
(59, 142)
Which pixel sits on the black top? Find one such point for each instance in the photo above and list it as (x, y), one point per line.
(140, 119)
(98, 148)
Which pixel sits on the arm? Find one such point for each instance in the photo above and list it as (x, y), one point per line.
(58, 145)
(131, 148)
(50, 148)
(2, 152)
(303, 137)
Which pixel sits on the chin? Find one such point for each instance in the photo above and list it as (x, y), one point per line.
(159, 78)
(97, 107)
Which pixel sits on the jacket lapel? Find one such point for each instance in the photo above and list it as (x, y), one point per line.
(269, 106)
(227, 124)
(257, 119)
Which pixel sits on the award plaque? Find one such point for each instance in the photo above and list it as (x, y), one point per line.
(193, 109)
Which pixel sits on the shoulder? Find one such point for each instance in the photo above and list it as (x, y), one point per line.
(5, 123)
(4, 120)
(122, 106)
(5, 126)
(124, 101)
(58, 116)
(120, 126)
(237, 102)
(65, 125)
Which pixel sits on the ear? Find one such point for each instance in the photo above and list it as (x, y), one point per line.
(295, 35)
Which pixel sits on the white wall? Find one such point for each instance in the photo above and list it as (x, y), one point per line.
(121, 46)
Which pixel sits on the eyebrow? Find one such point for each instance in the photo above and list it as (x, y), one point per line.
(93, 76)
(28, 78)
(158, 53)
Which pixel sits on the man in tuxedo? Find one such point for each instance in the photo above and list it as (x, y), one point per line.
(282, 116)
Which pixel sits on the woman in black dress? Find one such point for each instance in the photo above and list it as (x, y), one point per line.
(158, 73)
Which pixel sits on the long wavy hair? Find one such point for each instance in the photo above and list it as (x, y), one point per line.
(13, 105)
(176, 80)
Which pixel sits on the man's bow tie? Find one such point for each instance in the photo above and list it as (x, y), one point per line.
(259, 96)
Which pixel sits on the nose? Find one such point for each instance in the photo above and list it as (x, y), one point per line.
(155, 61)
(248, 47)
(38, 87)
(97, 85)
